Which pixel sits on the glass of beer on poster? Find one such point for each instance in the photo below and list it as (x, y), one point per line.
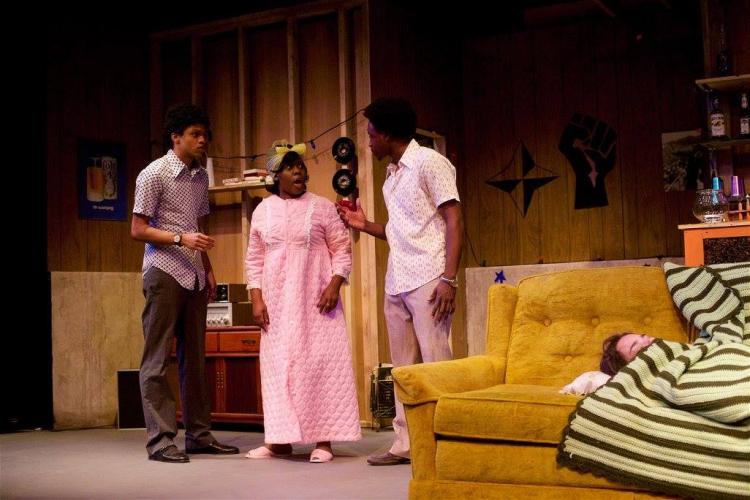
(94, 180)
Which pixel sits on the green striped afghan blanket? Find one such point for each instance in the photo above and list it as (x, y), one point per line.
(676, 419)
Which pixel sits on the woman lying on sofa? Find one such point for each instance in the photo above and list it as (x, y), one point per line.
(676, 420)
(618, 350)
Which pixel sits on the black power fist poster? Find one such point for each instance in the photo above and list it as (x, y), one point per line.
(590, 147)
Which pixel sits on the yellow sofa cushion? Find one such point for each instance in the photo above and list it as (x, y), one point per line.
(506, 463)
(507, 412)
(561, 320)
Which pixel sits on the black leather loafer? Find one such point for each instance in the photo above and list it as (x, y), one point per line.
(169, 454)
(215, 448)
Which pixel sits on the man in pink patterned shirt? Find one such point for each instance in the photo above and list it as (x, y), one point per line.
(425, 234)
(171, 197)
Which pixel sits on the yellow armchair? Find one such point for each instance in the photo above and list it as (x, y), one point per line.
(488, 426)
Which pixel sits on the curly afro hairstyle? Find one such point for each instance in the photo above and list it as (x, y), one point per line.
(181, 116)
(393, 116)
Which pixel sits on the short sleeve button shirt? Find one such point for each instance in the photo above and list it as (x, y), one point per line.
(413, 190)
(174, 197)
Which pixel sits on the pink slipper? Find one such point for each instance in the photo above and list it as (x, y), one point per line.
(264, 452)
(319, 456)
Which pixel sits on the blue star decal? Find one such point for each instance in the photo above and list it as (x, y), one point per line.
(500, 277)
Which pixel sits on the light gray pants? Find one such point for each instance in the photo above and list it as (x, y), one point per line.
(414, 337)
(172, 311)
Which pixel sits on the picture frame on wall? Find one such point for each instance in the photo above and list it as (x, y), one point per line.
(102, 182)
(685, 161)
(431, 140)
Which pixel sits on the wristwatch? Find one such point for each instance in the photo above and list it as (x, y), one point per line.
(453, 282)
(177, 239)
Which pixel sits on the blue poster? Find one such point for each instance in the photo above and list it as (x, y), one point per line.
(102, 183)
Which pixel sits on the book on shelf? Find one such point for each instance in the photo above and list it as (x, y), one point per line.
(254, 172)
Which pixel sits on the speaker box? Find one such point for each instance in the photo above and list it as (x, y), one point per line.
(129, 405)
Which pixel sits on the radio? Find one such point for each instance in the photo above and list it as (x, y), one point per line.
(231, 292)
(229, 314)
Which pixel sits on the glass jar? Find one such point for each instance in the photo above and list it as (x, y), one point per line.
(710, 205)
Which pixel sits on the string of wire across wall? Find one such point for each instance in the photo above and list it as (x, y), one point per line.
(311, 142)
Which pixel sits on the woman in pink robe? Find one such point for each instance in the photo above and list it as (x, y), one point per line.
(298, 256)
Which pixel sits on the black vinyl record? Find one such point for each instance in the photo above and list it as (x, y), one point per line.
(344, 182)
(343, 150)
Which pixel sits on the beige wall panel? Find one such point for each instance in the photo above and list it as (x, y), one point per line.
(96, 330)
(227, 256)
(268, 89)
(319, 97)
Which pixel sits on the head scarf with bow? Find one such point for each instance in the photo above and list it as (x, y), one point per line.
(278, 150)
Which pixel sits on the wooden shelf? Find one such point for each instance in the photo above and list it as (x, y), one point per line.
(240, 186)
(734, 223)
(735, 83)
(724, 143)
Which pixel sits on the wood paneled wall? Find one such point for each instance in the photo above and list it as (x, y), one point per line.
(637, 77)
(97, 88)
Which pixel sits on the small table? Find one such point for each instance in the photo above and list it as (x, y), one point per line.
(716, 243)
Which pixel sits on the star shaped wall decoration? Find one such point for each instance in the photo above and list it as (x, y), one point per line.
(529, 184)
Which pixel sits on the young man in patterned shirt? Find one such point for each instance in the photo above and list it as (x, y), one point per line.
(171, 203)
(425, 234)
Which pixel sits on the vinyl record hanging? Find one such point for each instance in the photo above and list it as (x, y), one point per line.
(344, 182)
(343, 150)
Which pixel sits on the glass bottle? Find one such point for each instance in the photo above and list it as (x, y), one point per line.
(717, 119)
(744, 116)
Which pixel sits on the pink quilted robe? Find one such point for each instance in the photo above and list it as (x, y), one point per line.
(294, 249)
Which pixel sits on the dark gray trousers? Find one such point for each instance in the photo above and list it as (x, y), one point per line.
(171, 311)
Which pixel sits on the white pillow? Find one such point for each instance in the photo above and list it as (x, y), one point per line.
(586, 383)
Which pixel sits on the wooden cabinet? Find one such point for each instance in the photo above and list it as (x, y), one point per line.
(716, 243)
(232, 374)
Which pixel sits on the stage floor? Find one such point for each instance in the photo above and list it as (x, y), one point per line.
(111, 463)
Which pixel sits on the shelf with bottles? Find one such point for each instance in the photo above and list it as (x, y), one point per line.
(733, 113)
